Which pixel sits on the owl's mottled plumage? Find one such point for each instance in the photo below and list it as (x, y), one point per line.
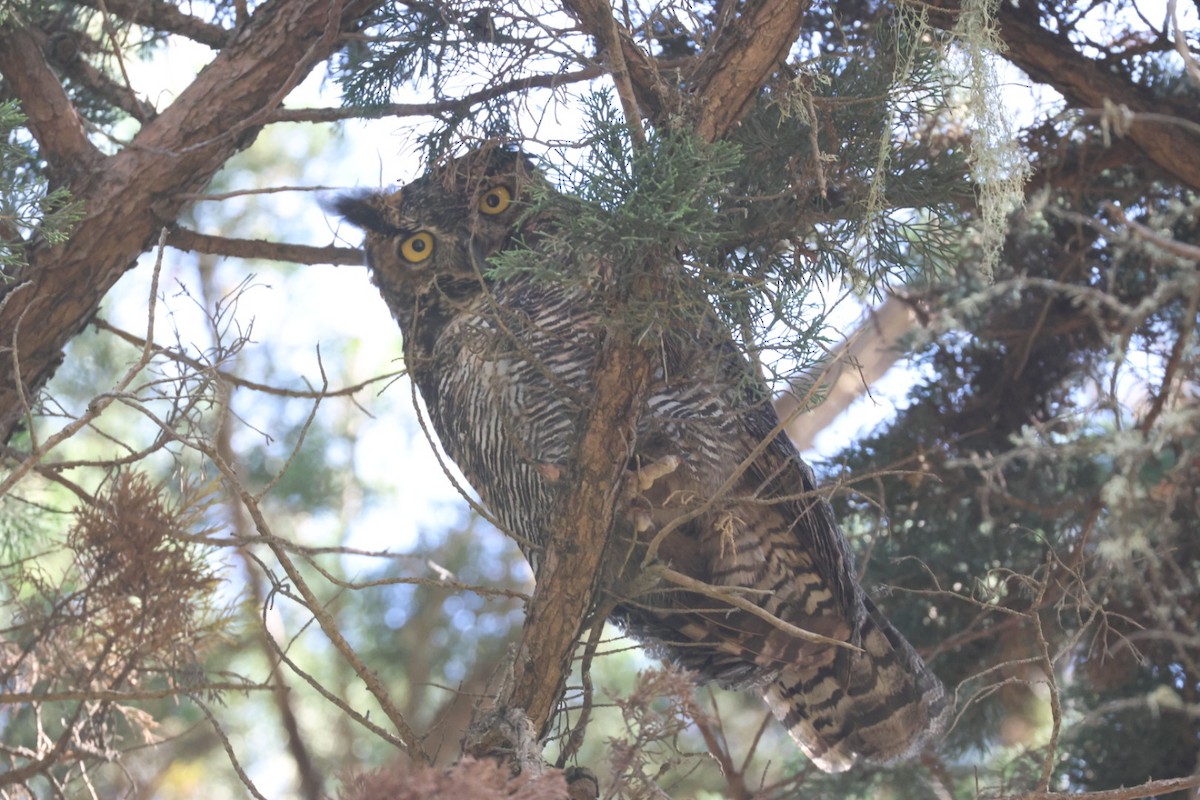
(504, 370)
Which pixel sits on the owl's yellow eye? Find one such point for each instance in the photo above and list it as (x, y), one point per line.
(417, 247)
(495, 200)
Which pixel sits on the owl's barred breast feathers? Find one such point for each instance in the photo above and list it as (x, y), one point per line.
(503, 367)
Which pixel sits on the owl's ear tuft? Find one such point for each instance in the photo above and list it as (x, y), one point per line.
(364, 209)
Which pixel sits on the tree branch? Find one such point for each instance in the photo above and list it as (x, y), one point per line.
(64, 49)
(1051, 59)
(165, 17)
(741, 60)
(1148, 789)
(192, 241)
(572, 563)
(52, 120)
(437, 107)
(655, 99)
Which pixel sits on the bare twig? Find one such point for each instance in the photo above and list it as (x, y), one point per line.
(191, 241)
(229, 750)
(438, 107)
(96, 407)
(731, 595)
(235, 380)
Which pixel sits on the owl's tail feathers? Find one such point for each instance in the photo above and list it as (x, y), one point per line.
(880, 705)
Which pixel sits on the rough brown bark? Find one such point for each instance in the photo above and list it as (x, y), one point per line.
(573, 560)
(744, 56)
(128, 197)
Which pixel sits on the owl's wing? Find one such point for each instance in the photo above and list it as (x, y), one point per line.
(879, 702)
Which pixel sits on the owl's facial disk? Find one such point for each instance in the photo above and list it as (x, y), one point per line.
(436, 227)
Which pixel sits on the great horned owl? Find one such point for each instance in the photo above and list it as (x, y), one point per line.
(504, 366)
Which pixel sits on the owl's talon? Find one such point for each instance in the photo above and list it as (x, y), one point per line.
(648, 474)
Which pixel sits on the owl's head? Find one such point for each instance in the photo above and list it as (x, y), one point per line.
(433, 236)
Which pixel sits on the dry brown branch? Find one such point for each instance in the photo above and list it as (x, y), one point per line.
(718, 748)
(860, 360)
(733, 597)
(1148, 789)
(63, 50)
(1047, 664)
(339, 703)
(1172, 246)
(277, 391)
(438, 583)
(407, 738)
(100, 402)
(229, 749)
(124, 695)
(213, 198)
(281, 694)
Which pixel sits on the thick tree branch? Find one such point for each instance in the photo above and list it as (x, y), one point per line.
(1148, 789)
(128, 196)
(723, 84)
(573, 563)
(165, 17)
(52, 119)
(657, 101)
(1087, 84)
(64, 50)
(741, 60)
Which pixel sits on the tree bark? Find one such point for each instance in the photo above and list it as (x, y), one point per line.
(129, 196)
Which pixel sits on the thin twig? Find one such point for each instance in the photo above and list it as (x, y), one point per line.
(96, 407)
(229, 377)
(229, 751)
(727, 594)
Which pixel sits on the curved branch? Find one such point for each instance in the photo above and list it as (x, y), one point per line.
(164, 16)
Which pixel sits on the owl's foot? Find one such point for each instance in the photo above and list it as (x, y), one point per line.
(648, 474)
(644, 477)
